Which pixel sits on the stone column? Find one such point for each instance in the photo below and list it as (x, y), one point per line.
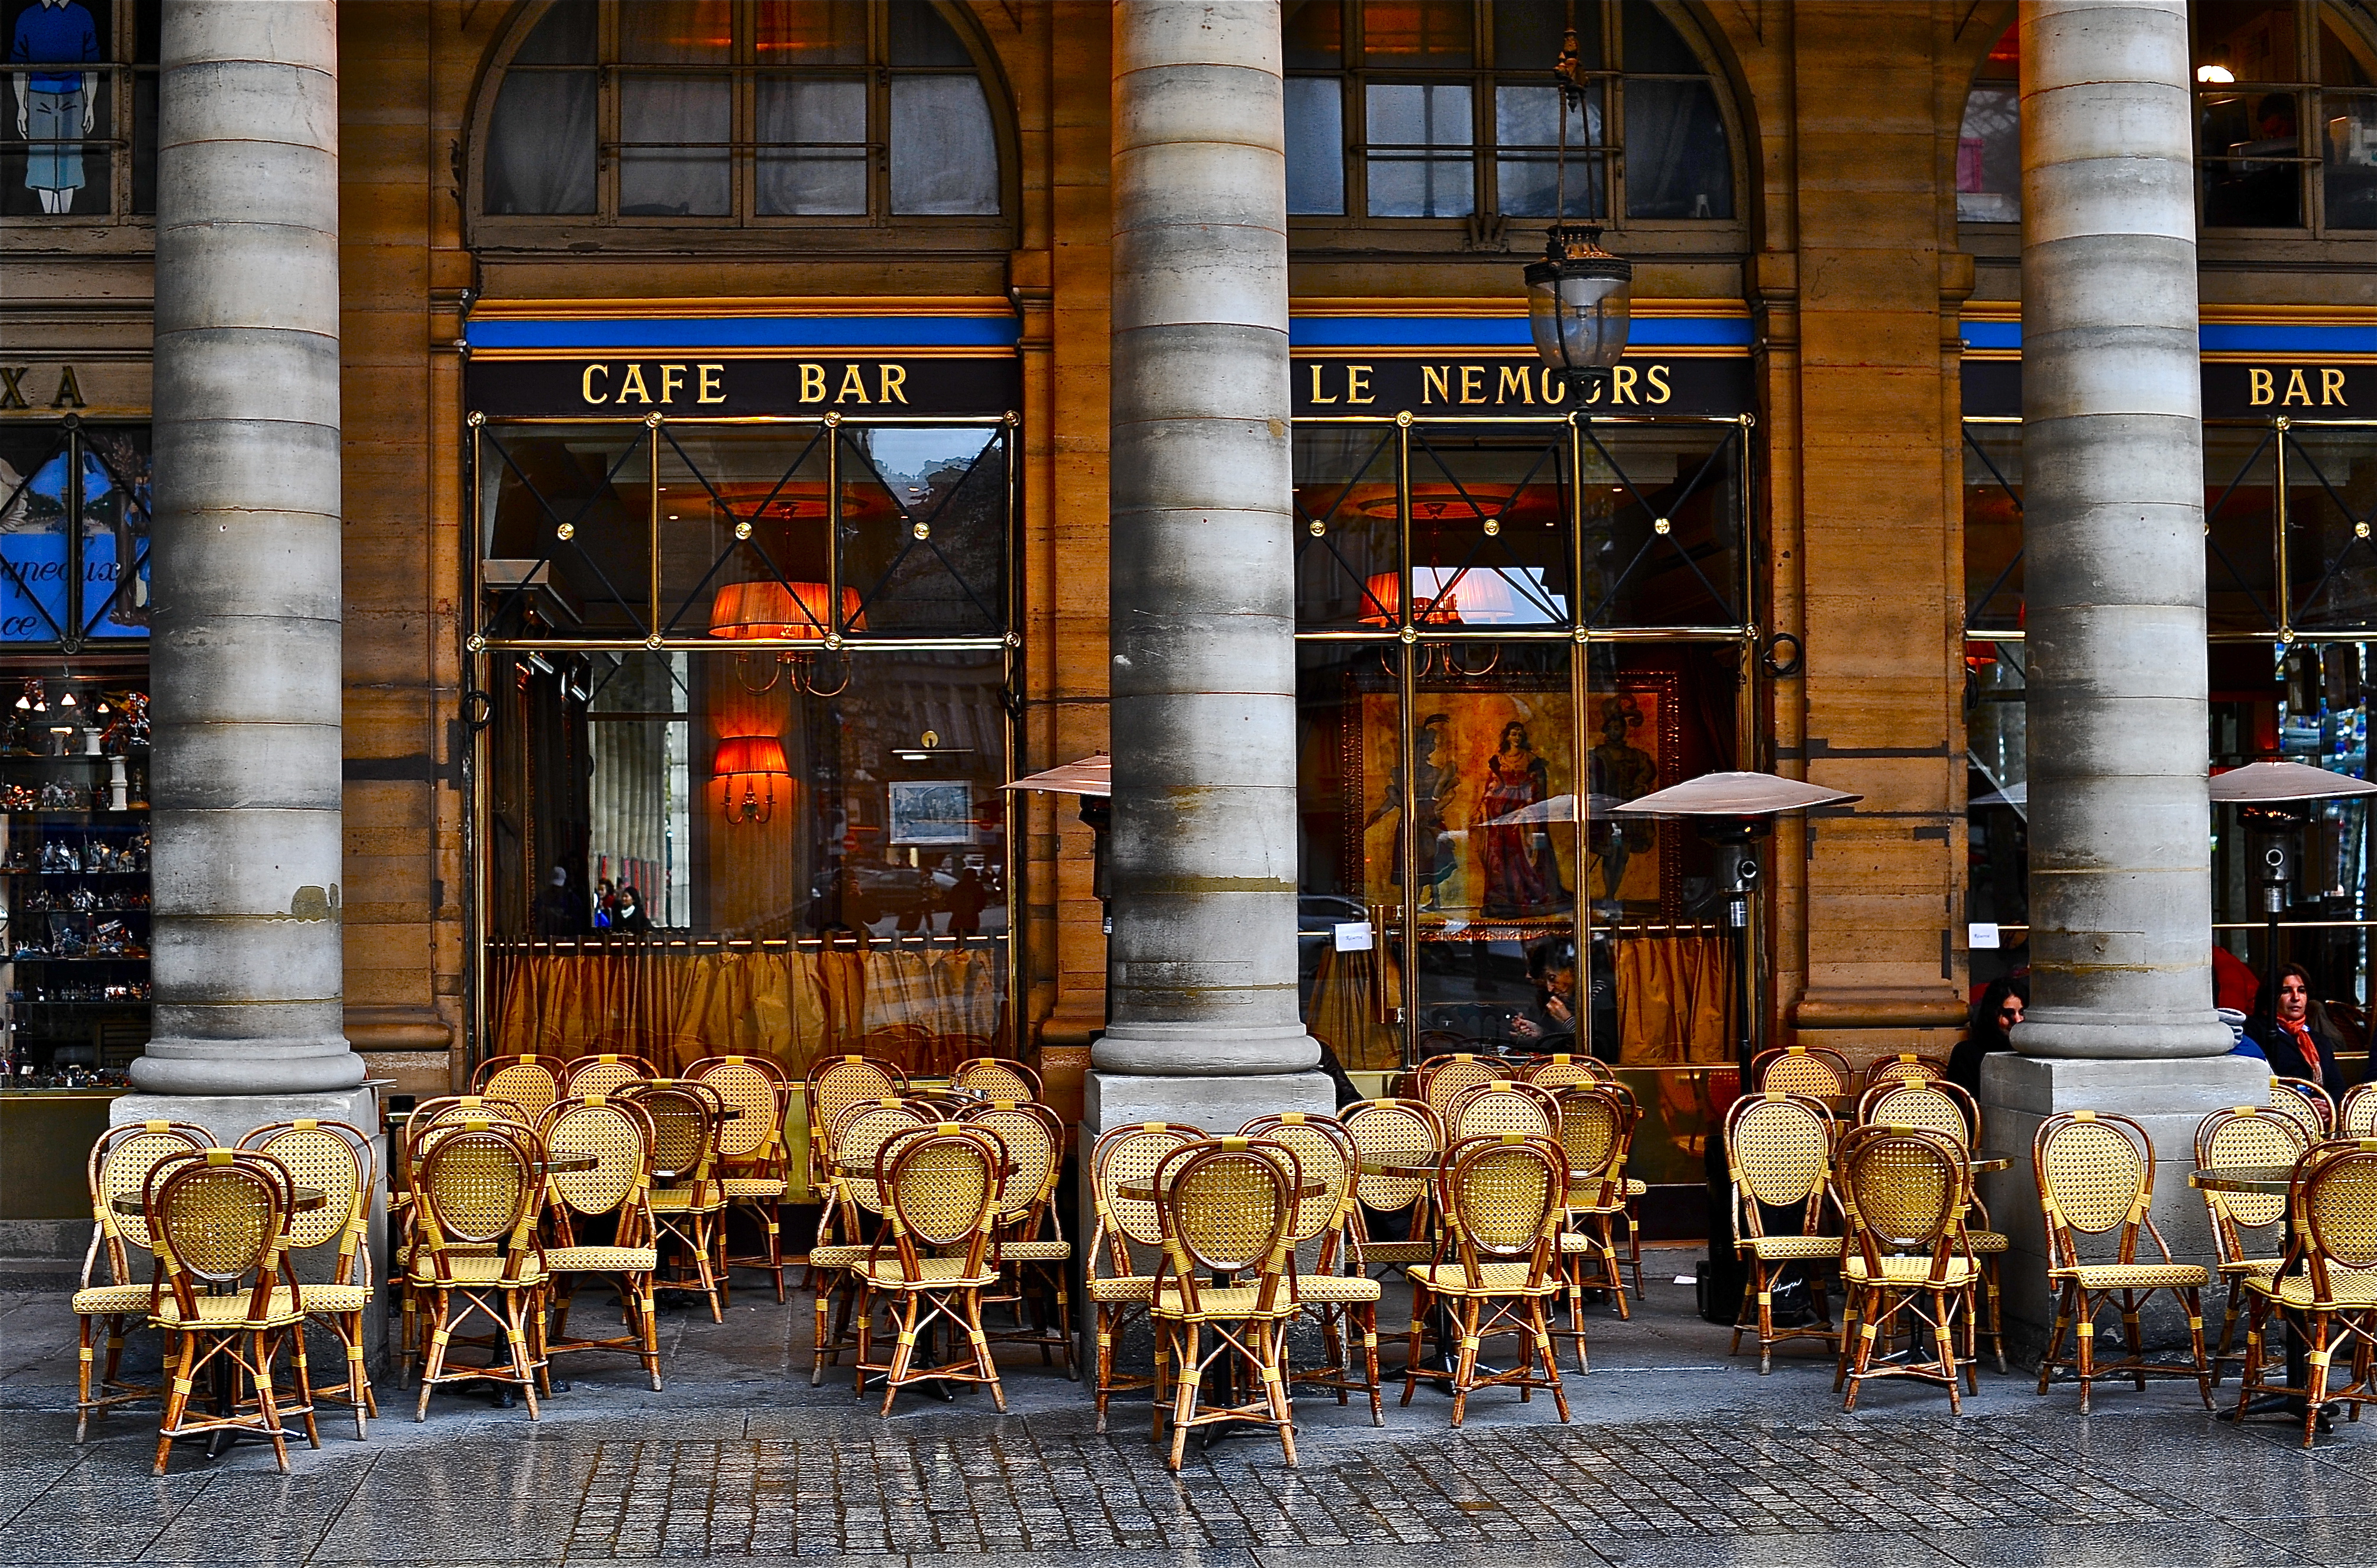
(1204, 1024)
(2120, 890)
(246, 777)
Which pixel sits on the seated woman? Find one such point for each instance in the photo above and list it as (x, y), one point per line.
(2295, 1031)
(1993, 1019)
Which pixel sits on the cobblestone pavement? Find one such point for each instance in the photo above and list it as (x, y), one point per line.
(1677, 1456)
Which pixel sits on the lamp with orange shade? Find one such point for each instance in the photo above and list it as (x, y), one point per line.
(752, 759)
(771, 610)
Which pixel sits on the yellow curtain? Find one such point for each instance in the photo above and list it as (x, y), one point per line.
(1675, 998)
(1342, 1016)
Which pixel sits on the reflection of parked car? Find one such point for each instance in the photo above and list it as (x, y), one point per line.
(877, 889)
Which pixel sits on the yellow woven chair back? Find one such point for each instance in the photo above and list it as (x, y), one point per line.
(1392, 1131)
(1558, 1072)
(2357, 1117)
(1780, 1149)
(476, 1189)
(749, 1089)
(1126, 1156)
(1502, 1197)
(1442, 1080)
(1803, 1069)
(1225, 1205)
(837, 1082)
(1903, 1192)
(1501, 1105)
(2336, 1188)
(618, 1133)
(121, 1160)
(218, 1219)
(998, 1077)
(1939, 1107)
(1905, 1068)
(858, 1140)
(684, 1128)
(607, 1073)
(944, 1185)
(2306, 1102)
(1596, 1130)
(2093, 1172)
(532, 1083)
(1034, 1144)
(331, 1155)
(1327, 1158)
(2247, 1136)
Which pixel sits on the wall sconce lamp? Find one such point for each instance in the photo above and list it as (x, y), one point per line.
(755, 761)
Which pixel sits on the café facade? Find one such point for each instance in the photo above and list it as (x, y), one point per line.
(724, 423)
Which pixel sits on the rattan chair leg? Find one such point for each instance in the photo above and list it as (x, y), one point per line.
(180, 1348)
(1873, 1312)
(265, 1404)
(1369, 1325)
(2315, 1334)
(1272, 1343)
(2086, 1328)
(984, 1365)
(2054, 1338)
(1465, 1370)
(1943, 1345)
(2195, 1343)
(1990, 1275)
(1185, 1395)
(903, 1352)
(2132, 1340)
(1102, 1320)
(82, 1378)
(1411, 1344)
(818, 1341)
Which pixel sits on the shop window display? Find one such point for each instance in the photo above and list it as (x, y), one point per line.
(764, 815)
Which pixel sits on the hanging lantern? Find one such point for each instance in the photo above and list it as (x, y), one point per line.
(776, 611)
(1580, 297)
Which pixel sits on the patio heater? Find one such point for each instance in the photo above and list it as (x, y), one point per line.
(2272, 799)
(1578, 296)
(1732, 813)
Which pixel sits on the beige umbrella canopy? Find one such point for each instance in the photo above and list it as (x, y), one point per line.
(1733, 795)
(2258, 783)
(1092, 775)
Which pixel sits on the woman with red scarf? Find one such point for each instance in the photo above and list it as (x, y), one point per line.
(2294, 1033)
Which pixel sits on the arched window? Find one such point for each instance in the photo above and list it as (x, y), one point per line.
(1400, 109)
(740, 111)
(1988, 144)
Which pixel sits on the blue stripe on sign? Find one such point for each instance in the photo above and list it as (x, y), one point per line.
(1499, 332)
(2248, 337)
(693, 333)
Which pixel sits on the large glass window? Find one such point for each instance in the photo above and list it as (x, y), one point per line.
(2286, 114)
(741, 112)
(1400, 109)
(74, 533)
(746, 692)
(78, 138)
(1989, 143)
(2290, 575)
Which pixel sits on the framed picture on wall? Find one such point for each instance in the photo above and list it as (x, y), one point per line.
(928, 812)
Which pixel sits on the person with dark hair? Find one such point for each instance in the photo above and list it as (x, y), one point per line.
(1991, 1028)
(2295, 1031)
(629, 915)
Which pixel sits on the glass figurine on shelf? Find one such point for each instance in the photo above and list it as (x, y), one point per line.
(129, 729)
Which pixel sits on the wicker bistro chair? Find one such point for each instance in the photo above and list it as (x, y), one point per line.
(751, 1156)
(121, 1160)
(1335, 1292)
(1948, 1109)
(1779, 1154)
(2096, 1177)
(218, 1221)
(835, 1083)
(1905, 1068)
(853, 1209)
(2328, 1283)
(1226, 1207)
(2308, 1103)
(1498, 1106)
(532, 1083)
(620, 1135)
(688, 1198)
(1441, 1079)
(2356, 1116)
(1803, 1069)
(604, 1074)
(1565, 1072)
(2247, 1136)
(1596, 1129)
(941, 1193)
(1000, 1077)
(478, 1257)
(1497, 1264)
(1028, 1242)
(1394, 1133)
(1904, 1192)
(1125, 1157)
(337, 1158)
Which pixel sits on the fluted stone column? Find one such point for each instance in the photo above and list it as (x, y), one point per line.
(246, 777)
(2121, 891)
(1203, 863)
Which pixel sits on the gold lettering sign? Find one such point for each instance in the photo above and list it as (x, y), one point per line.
(2284, 387)
(19, 386)
(651, 385)
(1632, 385)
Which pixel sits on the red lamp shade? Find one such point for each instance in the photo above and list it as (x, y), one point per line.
(1448, 596)
(770, 609)
(740, 754)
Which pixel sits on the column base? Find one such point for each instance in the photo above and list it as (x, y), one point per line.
(2086, 1033)
(2168, 1096)
(1193, 1050)
(205, 1068)
(1218, 1105)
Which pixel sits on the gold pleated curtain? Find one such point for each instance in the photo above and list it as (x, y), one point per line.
(1675, 998)
(674, 1005)
(1344, 1016)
